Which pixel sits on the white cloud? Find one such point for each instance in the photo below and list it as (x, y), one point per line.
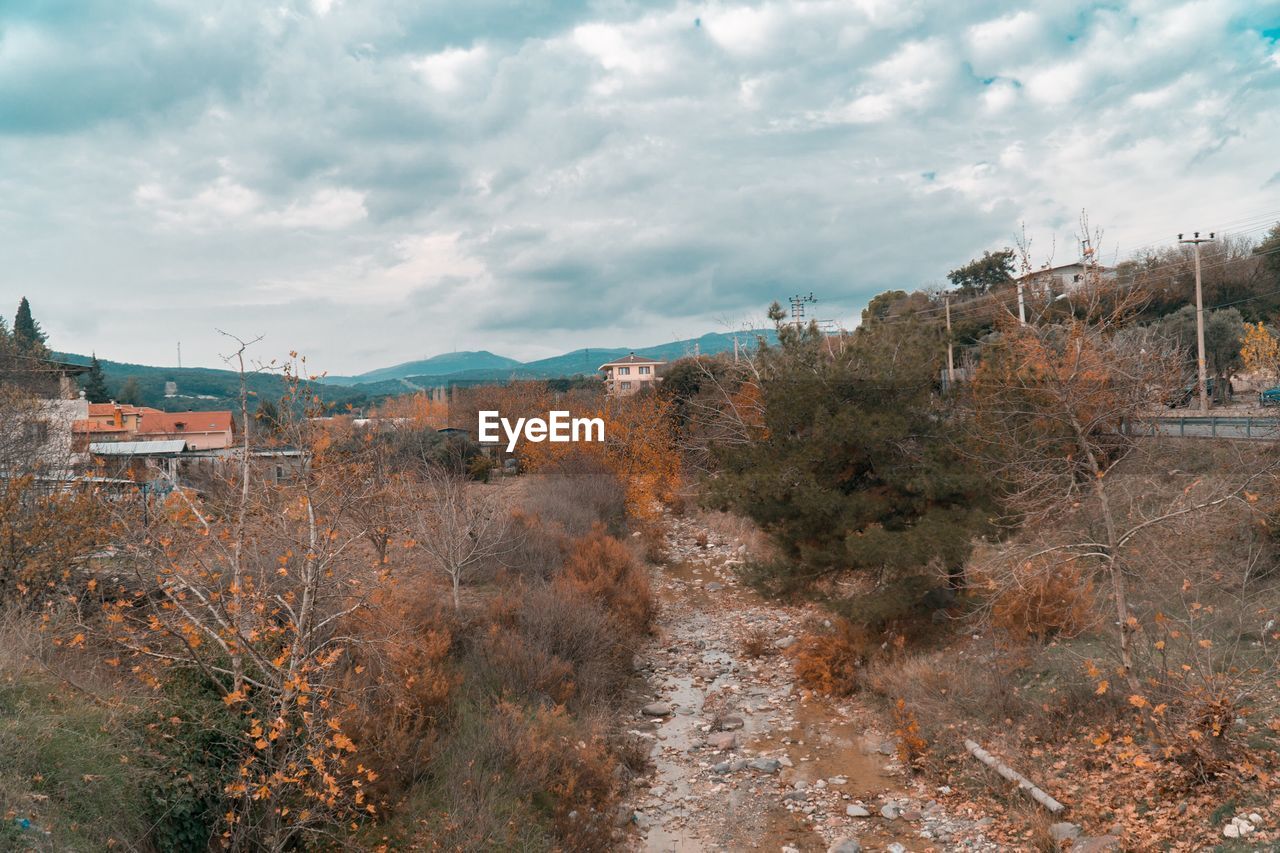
(447, 70)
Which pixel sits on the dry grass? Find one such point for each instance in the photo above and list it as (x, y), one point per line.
(758, 643)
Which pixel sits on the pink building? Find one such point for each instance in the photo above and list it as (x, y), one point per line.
(630, 374)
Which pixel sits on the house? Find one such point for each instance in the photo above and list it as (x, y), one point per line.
(38, 435)
(119, 422)
(200, 430)
(140, 461)
(1064, 279)
(630, 374)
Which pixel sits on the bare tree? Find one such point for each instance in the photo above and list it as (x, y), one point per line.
(460, 527)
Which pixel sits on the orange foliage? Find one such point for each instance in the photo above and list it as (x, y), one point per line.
(829, 661)
(601, 568)
(1043, 598)
(639, 448)
(911, 746)
(419, 408)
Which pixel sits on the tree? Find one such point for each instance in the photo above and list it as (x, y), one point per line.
(985, 273)
(1269, 251)
(95, 386)
(131, 392)
(1260, 351)
(26, 331)
(850, 471)
(459, 527)
(1223, 334)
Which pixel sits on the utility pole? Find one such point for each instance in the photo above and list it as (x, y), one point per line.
(1195, 242)
(951, 367)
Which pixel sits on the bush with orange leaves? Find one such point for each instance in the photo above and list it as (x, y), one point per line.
(831, 661)
(1037, 598)
(602, 569)
(639, 447)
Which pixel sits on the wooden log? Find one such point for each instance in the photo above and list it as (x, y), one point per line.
(1033, 791)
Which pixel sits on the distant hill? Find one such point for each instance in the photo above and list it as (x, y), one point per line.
(204, 388)
(437, 365)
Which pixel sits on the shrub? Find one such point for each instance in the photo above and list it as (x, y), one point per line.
(601, 569)
(1038, 599)
(830, 661)
(757, 643)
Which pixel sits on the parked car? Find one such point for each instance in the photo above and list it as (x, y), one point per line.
(1270, 397)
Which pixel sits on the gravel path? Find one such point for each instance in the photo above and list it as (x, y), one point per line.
(743, 758)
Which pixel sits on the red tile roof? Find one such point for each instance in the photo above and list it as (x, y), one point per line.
(102, 410)
(176, 423)
(95, 426)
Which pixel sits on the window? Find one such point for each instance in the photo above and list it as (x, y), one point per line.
(624, 371)
(625, 386)
(644, 371)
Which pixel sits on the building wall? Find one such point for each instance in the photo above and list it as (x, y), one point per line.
(614, 381)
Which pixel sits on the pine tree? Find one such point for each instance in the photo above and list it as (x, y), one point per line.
(26, 331)
(131, 392)
(95, 387)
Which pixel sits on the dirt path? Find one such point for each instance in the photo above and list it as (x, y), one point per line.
(742, 759)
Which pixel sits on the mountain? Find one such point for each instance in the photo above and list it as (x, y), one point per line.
(204, 388)
(437, 365)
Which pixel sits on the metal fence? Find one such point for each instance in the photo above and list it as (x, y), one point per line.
(1236, 428)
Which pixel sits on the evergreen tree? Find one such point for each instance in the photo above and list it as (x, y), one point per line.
(26, 331)
(95, 386)
(852, 471)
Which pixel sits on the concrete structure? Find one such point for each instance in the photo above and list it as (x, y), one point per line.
(630, 374)
(1066, 278)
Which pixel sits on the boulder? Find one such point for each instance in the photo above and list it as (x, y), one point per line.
(722, 741)
(765, 765)
(857, 811)
(845, 845)
(656, 709)
(890, 812)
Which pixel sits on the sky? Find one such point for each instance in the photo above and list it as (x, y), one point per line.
(372, 181)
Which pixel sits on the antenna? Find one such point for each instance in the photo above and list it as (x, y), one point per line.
(179, 355)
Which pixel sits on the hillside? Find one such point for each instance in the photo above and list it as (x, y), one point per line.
(438, 365)
(206, 388)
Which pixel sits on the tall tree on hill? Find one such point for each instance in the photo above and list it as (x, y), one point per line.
(26, 331)
(982, 274)
(1269, 251)
(95, 386)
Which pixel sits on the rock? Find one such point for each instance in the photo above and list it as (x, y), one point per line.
(714, 586)
(1095, 844)
(785, 643)
(740, 764)
(785, 761)
(857, 811)
(765, 765)
(845, 845)
(895, 847)
(722, 741)
(1231, 830)
(1255, 818)
(1064, 830)
(722, 767)
(984, 822)
(656, 709)
(641, 820)
(795, 795)
(944, 790)
(890, 812)
(730, 723)
(911, 814)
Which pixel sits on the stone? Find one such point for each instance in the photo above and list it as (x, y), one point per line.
(641, 820)
(714, 586)
(722, 767)
(911, 814)
(722, 741)
(730, 723)
(765, 765)
(890, 812)
(845, 845)
(857, 811)
(1096, 844)
(1255, 818)
(895, 847)
(785, 643)
(1231, 830)
(795, 796)
(656, 709)
(1064, 830)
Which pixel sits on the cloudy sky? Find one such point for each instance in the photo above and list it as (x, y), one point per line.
(370, 181)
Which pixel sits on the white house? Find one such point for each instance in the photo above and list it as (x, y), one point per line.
(630, 374)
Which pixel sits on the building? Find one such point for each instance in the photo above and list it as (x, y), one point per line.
(200, 430)
(119, 422)
(630, 374)
(1064, 279)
